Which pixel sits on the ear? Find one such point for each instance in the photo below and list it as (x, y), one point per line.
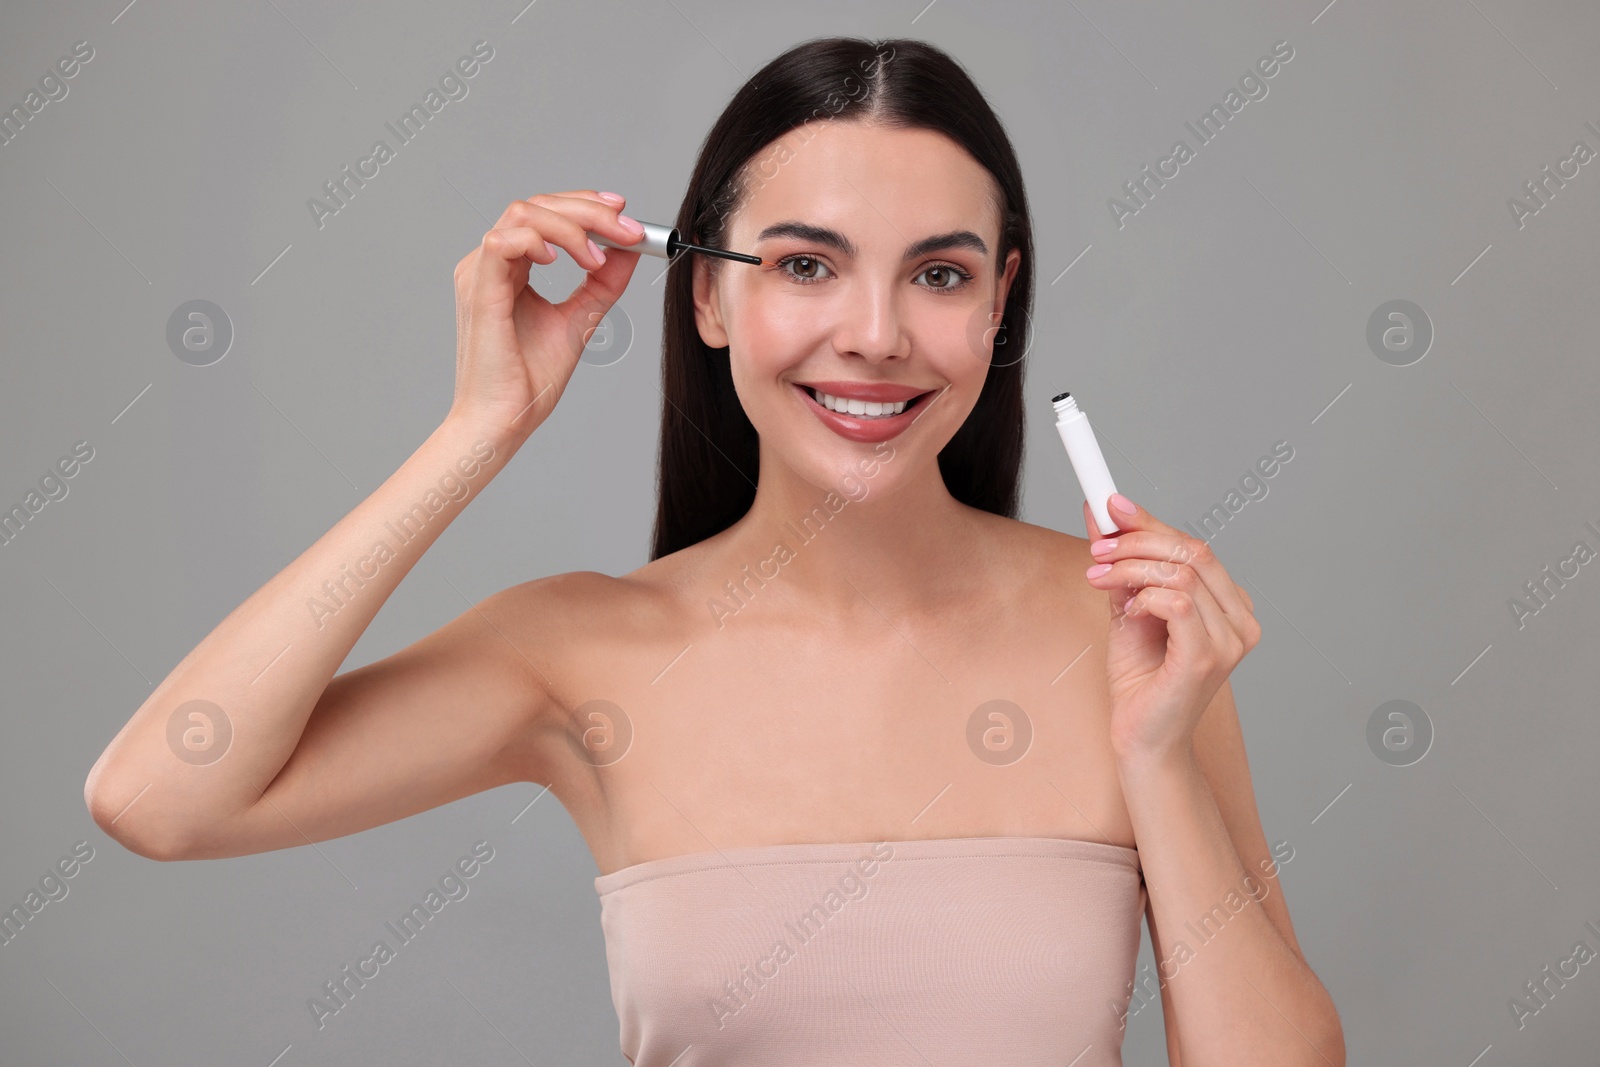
(707, 304)
(1013, 261)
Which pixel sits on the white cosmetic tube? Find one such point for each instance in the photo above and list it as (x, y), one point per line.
(1087, 462)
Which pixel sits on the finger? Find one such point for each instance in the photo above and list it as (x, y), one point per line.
(512, 243)
(601, 288)
(1137, 519)
(615, 201)
(575, 194)
(501, 271)
(1170, 550)
(1089, 525)
(563, 222)
(1198, 554)
(1189, 643)
(1141, 573)
(590, 194)
(568, 220)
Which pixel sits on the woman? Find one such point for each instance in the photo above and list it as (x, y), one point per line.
(871, 771)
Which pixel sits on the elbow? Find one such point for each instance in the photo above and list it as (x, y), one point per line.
(1329, 1037)
(108, 806)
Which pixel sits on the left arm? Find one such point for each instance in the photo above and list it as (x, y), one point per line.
(1235, 988)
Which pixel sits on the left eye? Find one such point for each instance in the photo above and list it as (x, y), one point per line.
(956, 276)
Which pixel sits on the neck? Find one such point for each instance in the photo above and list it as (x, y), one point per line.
(853, 548)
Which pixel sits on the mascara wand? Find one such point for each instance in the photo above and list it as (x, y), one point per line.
(664, 242)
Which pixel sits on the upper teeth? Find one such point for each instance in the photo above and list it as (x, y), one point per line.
(868, 408)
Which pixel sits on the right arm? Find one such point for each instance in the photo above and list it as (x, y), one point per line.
(313, 756)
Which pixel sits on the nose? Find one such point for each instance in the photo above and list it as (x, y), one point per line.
(871, 323)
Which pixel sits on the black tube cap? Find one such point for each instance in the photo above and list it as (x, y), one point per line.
(1063, 396)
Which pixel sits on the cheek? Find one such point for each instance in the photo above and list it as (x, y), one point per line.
(958, 345)
(766, 308)
(769, 336)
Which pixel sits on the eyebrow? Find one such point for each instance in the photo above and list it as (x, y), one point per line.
(834, 239)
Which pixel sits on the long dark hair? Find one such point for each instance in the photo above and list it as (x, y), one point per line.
(709, 459)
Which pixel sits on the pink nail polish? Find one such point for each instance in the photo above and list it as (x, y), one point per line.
(1123, 504)
(594, 250)
(1103, 545)
(631, 225)
(614, 198)
(1097, 570)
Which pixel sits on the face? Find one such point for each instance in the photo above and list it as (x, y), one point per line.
(878, 279)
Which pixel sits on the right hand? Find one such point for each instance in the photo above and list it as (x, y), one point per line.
(515, 350)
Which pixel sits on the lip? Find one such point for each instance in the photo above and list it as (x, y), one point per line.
(867, 431)
(882, 392)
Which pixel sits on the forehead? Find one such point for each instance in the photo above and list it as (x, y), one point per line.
(867, 181)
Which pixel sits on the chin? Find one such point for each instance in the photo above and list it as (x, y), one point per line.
(859, 473)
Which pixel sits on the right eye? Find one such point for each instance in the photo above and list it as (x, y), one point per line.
(806, 263)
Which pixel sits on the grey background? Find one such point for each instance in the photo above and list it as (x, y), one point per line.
(1230, 313)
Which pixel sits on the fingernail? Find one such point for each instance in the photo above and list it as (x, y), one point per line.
(549, 250)
(594, 250)
(614, 198)
(631, 225)
(1103, 545)
(1097, 570)
(1123, 504)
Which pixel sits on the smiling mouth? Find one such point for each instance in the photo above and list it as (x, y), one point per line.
(866, 410)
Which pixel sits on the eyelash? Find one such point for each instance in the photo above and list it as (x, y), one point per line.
(965, 276)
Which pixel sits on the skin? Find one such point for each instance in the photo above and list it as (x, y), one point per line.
(833, 704)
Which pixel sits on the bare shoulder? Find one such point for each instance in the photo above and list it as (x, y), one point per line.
(579, 628)
(572, 597)
(1061, 549)
(1047, 562)
(561, 612)
(565, 636)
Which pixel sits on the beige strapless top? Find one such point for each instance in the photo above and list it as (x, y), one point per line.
(962, 951)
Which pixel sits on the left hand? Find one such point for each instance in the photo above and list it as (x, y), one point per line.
(1180, 626)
